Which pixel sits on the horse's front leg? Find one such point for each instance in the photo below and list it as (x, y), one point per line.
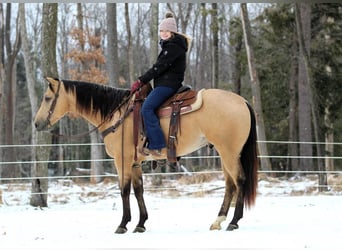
(126, 216)
(139, 195)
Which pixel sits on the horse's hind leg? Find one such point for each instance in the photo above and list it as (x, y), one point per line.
(238, 213)
(139, 195)
(228, 196)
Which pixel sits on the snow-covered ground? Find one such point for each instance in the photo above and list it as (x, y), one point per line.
(287, 214)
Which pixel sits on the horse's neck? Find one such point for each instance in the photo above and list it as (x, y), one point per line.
(90, 118)
(96, 119)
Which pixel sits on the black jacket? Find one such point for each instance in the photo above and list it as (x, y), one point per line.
(170, 65)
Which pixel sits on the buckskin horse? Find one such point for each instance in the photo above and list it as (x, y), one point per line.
(224, 120)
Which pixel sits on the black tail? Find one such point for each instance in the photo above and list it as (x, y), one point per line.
(250, 162)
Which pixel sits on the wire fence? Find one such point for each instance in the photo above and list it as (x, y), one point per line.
(336, 184)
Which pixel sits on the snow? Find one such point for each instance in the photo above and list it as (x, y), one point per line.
(86, 216)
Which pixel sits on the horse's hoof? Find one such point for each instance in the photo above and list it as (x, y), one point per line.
(232, 227)
(121, 230)
(215, 227)
(139, 230)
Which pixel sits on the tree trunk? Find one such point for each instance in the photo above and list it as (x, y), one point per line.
(154, 33)
(129, 46)
(184, 18)
(49, 68)
(236, 68)
(215, 52)
(329, 140)
(255, 85)
(304, 96)
(2, 74)
(303, 21)
(30, 77)
(112, 58)
(293, 111)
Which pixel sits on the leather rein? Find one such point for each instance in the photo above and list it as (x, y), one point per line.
(107, 131)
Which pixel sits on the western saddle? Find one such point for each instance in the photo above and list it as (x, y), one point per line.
(180, 103)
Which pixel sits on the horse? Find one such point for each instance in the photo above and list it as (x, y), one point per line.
(225, 120)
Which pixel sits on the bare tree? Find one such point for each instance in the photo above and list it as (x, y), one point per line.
(129, 45)
(265, 163)
(49, 68)
(293, 106)
(2, 79)
(215, 41)
(303, 21)
(8, 83)
(30, 76)
(203, 57)
(154, 32)
(304, 92)
(112, 58)
(96, 167)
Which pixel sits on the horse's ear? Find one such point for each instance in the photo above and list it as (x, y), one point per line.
(51, 80)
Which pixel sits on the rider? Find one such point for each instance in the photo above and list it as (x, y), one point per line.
(168, 75)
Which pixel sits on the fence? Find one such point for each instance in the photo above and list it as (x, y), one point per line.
(334, 183)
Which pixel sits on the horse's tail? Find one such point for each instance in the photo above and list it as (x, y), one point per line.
(250, 162)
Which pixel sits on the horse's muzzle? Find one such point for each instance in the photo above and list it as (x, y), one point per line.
(41, 125)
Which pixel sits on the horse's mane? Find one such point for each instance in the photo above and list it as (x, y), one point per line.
(94, 98)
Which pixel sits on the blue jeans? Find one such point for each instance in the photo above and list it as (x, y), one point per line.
(153, 130)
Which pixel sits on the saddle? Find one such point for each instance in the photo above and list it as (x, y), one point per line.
(185, 100)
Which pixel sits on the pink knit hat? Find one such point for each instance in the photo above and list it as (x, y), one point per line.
(169, 23)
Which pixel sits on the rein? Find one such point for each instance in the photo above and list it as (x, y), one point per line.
(113, 128)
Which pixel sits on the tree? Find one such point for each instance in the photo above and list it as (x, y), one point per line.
(215, 46)
(88, 58)
(154, 32)
(49, 68)
(9, 53)
(30, 76)
(326, 71)
(129, 46)
(112, 58)
(303, 13)
(265, 163)
(236, 43)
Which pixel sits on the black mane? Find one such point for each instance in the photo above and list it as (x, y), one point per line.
(94, 98)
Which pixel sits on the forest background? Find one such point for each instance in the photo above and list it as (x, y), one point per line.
(295, 48)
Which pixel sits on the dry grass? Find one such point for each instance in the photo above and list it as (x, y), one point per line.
(335, 180)
(199, 178)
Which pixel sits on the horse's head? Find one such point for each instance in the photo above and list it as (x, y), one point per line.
(53, 107)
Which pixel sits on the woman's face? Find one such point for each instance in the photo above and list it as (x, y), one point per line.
(164, 34)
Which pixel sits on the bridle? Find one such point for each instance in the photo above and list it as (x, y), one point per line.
(53, 104)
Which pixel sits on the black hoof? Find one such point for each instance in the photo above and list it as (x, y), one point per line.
(232, 227)
(121, 230)
(139, 230)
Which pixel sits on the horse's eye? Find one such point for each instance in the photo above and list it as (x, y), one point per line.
(47, 98)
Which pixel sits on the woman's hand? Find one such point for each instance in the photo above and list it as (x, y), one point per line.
(135, 86)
